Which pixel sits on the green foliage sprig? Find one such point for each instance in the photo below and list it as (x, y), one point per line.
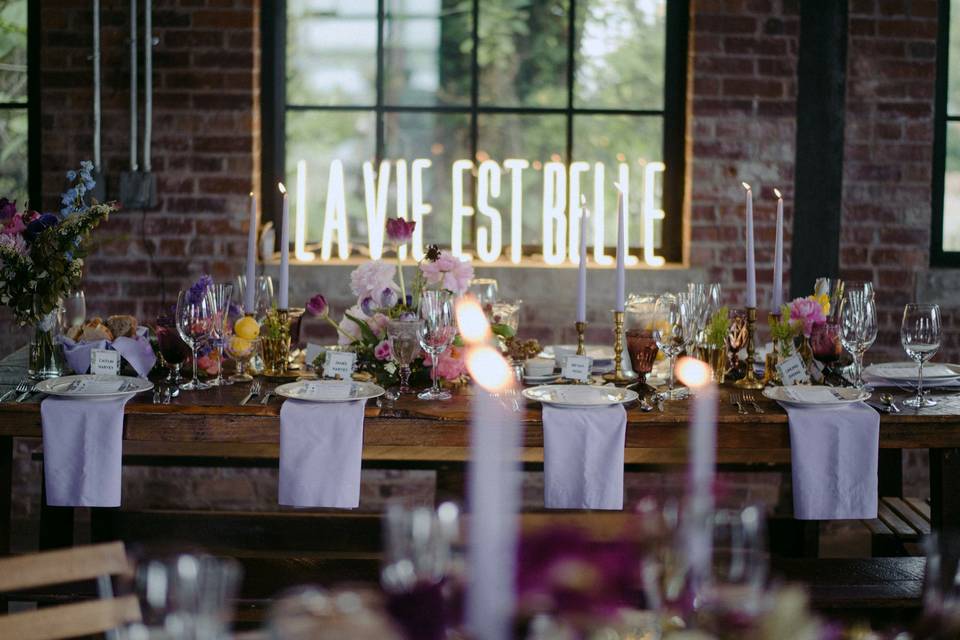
(718, 328)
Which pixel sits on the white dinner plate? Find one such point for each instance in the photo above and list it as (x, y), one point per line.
(600, 353)
(907, 371)
(93, 387)
(538, 380)
(802, 395)
(579, 396)
(329, 390)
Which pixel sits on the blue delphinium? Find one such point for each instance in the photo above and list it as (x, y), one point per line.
(199, 289)
(80, 183)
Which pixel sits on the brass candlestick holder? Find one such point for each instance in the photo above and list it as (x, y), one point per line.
(581, 330)
(771, 375)
(750, 381)
(618, 375)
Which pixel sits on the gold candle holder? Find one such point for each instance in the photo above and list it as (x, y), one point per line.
(770, 373)
(750, 381)
(618, 375)
(581, 330)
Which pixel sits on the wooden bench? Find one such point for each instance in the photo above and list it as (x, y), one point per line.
(900, 526)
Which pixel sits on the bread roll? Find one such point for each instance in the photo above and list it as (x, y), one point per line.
(94, 329)
(125, 326)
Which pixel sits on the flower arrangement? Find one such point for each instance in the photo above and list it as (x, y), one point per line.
(382, 296)
(808, 312)
(41, 255)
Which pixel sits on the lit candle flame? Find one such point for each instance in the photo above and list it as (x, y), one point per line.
(282, 188)
(488, 369)
(472, 321)
(745, 186)
(693, 373)
(777, 193)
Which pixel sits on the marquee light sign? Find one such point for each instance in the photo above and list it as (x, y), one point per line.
(560, 214)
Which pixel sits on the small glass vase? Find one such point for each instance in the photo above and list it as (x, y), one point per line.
(45, 359)
(716, 357)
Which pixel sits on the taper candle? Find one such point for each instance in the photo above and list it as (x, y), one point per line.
(621, 252)
(777, 300)
(751, 267)
(582, 265)
(283, 295)
(249, 288)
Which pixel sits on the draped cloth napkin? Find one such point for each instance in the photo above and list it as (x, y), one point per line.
(320, 450)
(137, 351)
(583, 457)
(834, 452)
(82, 451)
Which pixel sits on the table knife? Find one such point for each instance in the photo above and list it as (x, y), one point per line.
(246, 398)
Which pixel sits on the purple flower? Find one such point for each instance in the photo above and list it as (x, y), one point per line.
(39, 225)
(388, 298)
(407, 316)
(382, 350)
(399, 230)
(7, 208)
(317, 306)
(199, 289)
(368, 305)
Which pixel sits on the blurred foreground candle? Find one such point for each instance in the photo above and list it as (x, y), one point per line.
(582, 265)
(251, 271)
(472, 322)
(621, 251)
(493, 492)
(751, 269)
(778, 257)
(284, 250)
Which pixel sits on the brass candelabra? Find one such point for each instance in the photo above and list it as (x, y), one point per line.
(618, 375)
(750, 381)
(581, 330)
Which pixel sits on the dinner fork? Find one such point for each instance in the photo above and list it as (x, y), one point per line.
(21, 387)
(737, 400)
(254, 392)
(31, 389)
(266, 397)
(752, 399)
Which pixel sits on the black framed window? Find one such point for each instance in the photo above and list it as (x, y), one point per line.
(19, 174)
(460, 82)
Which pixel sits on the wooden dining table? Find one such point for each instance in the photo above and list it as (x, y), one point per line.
(210, 428)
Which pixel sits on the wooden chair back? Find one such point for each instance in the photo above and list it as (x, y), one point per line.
(95, 562)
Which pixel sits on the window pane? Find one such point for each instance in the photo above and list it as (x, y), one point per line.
(427, 50)
(13, 50)
(953, 66)
(319, 137)
(620, 54)
(331, 52)
(951, 190)
(537, 139)
(13, 154)
(441, 138)
(523, 53)
(616, 140)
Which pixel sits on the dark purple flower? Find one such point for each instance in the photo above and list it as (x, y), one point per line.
(407, 316)
(39, 225)
(199, 289)
(433, 253)
(368, 305)
(7, 209)
(399, 230)
(388, 298)
(317, 306)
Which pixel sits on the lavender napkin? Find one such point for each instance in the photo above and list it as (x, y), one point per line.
(834, 453)
(320, 449)
(137, 351)
(583, 457)
(82, 449)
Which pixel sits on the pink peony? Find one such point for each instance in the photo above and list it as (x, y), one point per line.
(807, 312)
(382, 351)
(399, 230)
(450, 364)
(449, 272)
(15, 225)
(350, 330)
(371, 278)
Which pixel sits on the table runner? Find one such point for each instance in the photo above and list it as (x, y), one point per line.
(834, 454)
(320, 450)
(83, 451)
(583, 457)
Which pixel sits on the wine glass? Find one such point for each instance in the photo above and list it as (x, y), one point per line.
(220, 295)
(195, 318)
(697, 296)
(670, 331)
(858, 327)
(241, 351)
(436, 332)
(173, 350)
(262, 297)
(73, 309)
(404, 346)
(920, 337)
(485, 290)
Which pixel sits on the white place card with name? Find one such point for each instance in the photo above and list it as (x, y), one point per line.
(327, 390)
(339, 364)
(104, 362)
(313, 350)
(792, 371)
(577, 368)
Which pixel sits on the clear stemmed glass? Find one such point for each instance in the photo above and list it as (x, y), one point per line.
(436, 332)
(220, 294)
(262, 297)
(670, 330)
(858, 327)
(920, 337)
(73, 309)
(404, 346)
(697, 296)
(195, 317)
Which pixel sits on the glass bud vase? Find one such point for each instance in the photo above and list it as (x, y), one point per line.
(45, 358)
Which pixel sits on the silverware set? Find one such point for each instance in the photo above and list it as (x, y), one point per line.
(254, 392)
(740, 400)
(21, 387)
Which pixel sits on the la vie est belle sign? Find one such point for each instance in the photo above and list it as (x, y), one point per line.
(563, 204)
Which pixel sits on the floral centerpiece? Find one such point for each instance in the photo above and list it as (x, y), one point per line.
(808, 316)
(41, 259)
(382, 296)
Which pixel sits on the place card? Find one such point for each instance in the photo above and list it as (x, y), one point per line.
(577, 368)
(815, 370)
(311, 353)
(792, 371)
(104, 362)
(339, 364)
(327, 390)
